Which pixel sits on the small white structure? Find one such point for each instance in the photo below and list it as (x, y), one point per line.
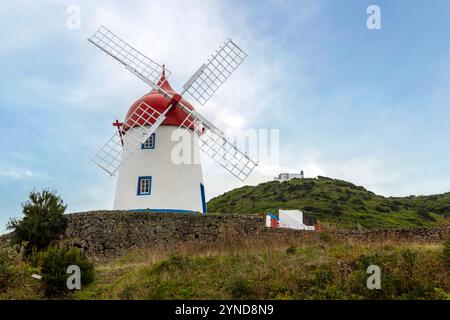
(289, 176)
(290, 219)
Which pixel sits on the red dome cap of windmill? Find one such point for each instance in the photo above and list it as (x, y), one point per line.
(157, 101)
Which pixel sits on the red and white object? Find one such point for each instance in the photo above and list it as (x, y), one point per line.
(167, 185)
(272, 221)
(289, 219)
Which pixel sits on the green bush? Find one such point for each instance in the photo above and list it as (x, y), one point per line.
(291, 249)
(55, 262)
(240, 288)
(446, 253)
(43, 221)
(175, 261)
(10, 258)
(323, 276)
(327, 236)
(383, 208)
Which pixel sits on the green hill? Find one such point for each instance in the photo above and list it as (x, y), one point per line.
(336, 202)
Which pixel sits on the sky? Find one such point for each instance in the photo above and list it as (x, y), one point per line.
(367, 106)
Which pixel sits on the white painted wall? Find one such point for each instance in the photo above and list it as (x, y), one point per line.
(174, 186)
(292, 219)
(268, 221)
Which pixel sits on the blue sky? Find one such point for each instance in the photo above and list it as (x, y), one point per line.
(368, 106)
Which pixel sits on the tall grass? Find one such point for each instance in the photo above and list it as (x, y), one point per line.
(283, 268)
(286, 267)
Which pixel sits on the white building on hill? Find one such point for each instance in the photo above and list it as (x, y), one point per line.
(288, 176)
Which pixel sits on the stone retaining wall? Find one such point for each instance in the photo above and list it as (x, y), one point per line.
(110, 233)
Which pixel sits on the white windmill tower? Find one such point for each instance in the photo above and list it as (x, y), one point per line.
(141, 151)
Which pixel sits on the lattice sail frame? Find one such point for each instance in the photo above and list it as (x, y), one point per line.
(136, 129)
(215, 145)
(211, 75)
(145, 68)
(201, 86)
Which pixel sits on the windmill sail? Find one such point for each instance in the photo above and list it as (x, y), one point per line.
(145, 120)
(136, 129)
(215, 145)
(211, 75)
(134, 61)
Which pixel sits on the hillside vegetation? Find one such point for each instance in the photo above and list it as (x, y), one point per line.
(336, 202)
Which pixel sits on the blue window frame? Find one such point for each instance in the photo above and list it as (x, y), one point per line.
(149, 143)
(144, 186)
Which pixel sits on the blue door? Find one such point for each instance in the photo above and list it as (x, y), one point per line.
(202, 192)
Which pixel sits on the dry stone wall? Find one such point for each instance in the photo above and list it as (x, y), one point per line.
(105, 233)
(111, 233)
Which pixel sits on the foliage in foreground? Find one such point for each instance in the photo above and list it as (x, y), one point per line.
(336, 202)
(324, 268)
(43, 221)
(16, 270)
(15, 274)
(10, 258)
(446, 254)
(55, 262)
(318, 271)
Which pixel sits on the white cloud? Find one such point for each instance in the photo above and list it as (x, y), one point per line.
(16, 173)
(92, 196)
(24, 24)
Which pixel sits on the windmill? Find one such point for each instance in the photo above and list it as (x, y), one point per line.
(140, 150)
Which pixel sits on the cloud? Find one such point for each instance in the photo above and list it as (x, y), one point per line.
(12, 172)
(22, 25)
(92, 196)
(16, 173)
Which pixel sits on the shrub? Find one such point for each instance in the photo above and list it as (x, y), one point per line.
(291, 249)
(43, 220)
(327, 236)
(55, 262)
(409, 259)
(323, 276)
(423, 213)
(446, 253)
(10, 258)
(175, 261)
(240, 288)
(383, 208)
(128, 293)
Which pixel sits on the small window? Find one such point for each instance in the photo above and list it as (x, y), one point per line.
(144, 186)
(149, 143)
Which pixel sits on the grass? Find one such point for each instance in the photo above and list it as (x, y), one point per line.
(277, 271)
(282, 269)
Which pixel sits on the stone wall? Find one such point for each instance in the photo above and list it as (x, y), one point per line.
(416, 235)
(111, 233)
(106, 233)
